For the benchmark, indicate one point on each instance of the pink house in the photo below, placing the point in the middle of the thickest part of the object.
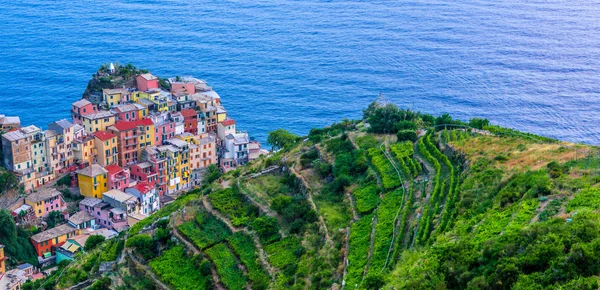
(118, 178)
(182, 85)
(130, 112)
(104, 214)
(146, 82)
(80, 108)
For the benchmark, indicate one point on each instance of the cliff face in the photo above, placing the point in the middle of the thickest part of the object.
(454, 208)
(121, 76)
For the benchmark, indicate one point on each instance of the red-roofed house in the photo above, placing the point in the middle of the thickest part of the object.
(146, 82)
(190, 121)
(106, 148)
(147, 196)
(132, 137)
(118, 178)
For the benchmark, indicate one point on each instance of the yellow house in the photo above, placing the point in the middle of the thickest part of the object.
(106, 148)
(46, 201)
(157, 97)
(114, 97)
(98, 121)
(178, 164)
(84, 149)
(92, 181)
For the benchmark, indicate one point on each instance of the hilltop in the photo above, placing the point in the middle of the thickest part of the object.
(398, 200)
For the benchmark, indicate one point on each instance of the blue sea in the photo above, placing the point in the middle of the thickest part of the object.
(529, 65)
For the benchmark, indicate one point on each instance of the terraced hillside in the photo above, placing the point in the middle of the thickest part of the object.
(399, 200)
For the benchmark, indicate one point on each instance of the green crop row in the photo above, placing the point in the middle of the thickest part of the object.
(367, 198)
(235, 206)
(204, 231)
(244, 247)
(227, 267)
(284, 252)
(588, 198)
(175, 268)
(388, 174)
(386, 215)
(360, 237)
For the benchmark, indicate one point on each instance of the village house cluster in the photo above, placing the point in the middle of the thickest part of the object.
(128, 150)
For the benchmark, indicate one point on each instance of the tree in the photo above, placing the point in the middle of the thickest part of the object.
(54, 218)
(143, 244)
(384, 119)
(407, 135)
(16, 240)
(265, 227)
(281, 138)
(479, 123)
(8, 181)
(212, 173)
(93, 241)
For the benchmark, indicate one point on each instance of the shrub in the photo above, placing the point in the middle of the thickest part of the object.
(93, 241)
(175, 268)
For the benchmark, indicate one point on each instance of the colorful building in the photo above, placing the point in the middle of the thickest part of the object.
(153, 169)
(118, 178)
(163, 126)
(132, 137)
(17, 152)
(9, 123)
(190, 121)
(46, 242)
(93, 181)
(99, 121)
(147, 197)
(130, 112)
(84, 150)
(45, 201)
(106, 147)
(113, 97)
(82, 220)
(146, 82)
(80, 108)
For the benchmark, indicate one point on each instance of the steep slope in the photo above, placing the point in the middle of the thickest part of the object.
(438, 204)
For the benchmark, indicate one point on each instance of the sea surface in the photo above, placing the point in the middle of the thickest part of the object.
(529, 65)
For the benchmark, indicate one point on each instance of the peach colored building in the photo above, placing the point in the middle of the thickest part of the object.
(80, 108)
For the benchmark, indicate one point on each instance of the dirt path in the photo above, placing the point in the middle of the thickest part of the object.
(371, 248)
(312, 203)
(195, 251)
(345, 256)
(261, 252)
(147, 271)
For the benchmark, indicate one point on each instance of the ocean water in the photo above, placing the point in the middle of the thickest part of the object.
(529, 65)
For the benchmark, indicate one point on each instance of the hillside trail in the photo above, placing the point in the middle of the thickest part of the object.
(190, 246)
(371, 248)
(147, 271)
(312, 203)
(261, 252)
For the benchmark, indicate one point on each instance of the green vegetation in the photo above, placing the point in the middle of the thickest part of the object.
(225, 261)
(18, 248)
(233, 204)
(452, 207)
(205, 230)
(93, 241)
(244, 248)
(178, 270)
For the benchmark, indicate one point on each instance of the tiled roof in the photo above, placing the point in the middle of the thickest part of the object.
(104, 135)
(90, 201)
(92, 170)
(44, 194)
(130, 125)
(228, 122)
(144, 187)
(148, 76)
(81, 217)
(128, 108)
(99, 115)
(14, 135)
(118, 195)
(53, 233)
(113, 168)
(115, 91)
(188, 113)
(64, 123)
(81, 103)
